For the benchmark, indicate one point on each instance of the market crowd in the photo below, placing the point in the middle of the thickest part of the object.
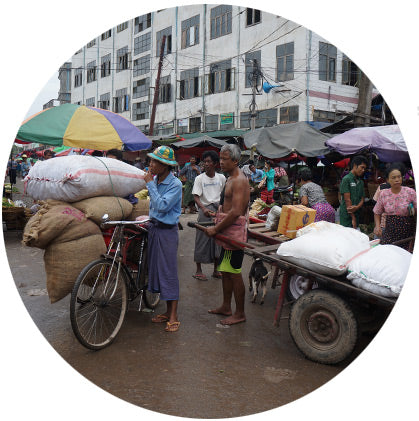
(222, 192)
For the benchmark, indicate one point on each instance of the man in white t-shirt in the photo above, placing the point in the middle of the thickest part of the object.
(207, 191)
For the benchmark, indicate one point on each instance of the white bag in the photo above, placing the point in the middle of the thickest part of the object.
(272, 219)
(381, 271)
(77, 177)
(324, 247)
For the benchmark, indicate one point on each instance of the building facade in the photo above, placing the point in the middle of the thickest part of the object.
(216, 58)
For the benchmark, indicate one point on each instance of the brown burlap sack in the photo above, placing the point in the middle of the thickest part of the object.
(64, 262)
(94, 208)
(140, 208)
(59, 222)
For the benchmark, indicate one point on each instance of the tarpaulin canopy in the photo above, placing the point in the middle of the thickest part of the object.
(386, 141)
(282, 140)
(201, 141)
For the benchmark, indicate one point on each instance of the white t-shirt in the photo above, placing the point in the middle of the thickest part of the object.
(209, 189)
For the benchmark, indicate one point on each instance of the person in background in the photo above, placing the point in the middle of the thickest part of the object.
(207, 190)
(256, 174)
(399, 203)
(190, 171)
(267, 184)
(311, 195)
(26, 166)
(246, 168)
(165, 192)
(139, 163)
(234, 204)
(352, 192)
(97, 153)
(48, 154)
(12, 169)
(281, 177)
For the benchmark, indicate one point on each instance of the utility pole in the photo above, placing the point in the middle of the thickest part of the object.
(363, 112)
(255, 74)
(157, 87)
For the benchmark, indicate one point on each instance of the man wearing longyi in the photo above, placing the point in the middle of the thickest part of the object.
(231, 221)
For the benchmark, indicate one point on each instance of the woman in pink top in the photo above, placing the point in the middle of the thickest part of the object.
(398, 203)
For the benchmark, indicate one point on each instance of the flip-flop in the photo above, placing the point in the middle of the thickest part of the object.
(160, 318)
(216, 275)
(172, 327)
(200, 276)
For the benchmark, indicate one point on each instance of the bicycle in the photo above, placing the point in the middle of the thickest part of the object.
(101, 294)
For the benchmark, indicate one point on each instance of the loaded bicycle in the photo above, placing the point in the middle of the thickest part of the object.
(102, 292)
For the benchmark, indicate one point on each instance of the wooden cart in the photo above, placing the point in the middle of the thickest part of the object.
(324, 321)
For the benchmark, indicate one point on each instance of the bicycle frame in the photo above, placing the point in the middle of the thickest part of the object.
(117, 252)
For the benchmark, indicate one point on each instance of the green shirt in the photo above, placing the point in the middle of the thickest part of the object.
(354, 186)
(270, 176)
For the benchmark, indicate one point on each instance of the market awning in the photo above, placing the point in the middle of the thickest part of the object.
(386, 141)
(282, 140)
(199, 142)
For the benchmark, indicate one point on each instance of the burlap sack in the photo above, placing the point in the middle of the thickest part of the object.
(140, 208)
(64, 262)
(94, 208)
(59, 222)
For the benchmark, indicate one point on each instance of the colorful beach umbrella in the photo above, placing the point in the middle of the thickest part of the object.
(79, 126)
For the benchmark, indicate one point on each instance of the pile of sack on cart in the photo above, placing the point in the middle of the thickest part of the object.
(72, 194)
(334, 250)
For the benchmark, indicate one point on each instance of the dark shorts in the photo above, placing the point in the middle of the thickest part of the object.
(230, 261)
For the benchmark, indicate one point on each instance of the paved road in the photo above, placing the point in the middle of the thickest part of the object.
(202, 371)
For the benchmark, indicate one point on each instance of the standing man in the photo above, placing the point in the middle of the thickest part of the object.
(26, 166)
(12, 169)
(352, 193)
(165, 192)
(234, 203)
(190, 171)
(207, 191)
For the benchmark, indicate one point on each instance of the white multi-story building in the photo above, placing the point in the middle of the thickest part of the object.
(210, 56)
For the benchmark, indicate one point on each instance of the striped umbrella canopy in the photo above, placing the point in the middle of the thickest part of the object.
(79, 126)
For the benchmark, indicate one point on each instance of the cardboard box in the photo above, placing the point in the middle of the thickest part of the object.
(294, 217)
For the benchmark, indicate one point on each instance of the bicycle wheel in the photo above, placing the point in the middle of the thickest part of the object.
(151, 299)
(98, 304)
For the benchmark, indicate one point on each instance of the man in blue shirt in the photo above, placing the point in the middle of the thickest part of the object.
(165, 191)
(256, 175)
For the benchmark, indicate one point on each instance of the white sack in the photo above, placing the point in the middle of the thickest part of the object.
(77, 177)
(324, 247)
(381, 271)
(273, 218)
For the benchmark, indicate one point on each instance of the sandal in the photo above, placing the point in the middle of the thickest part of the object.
(200, 276)
(160, 318)
(172, 327)
(216, 275)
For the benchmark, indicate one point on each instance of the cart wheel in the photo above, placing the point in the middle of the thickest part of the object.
(297, 285)
(323, 327)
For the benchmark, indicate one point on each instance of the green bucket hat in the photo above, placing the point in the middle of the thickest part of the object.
(164, 154)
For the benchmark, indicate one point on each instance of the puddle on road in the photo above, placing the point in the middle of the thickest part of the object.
(277, 375)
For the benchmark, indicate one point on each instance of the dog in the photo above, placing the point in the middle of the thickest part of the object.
(258, 277)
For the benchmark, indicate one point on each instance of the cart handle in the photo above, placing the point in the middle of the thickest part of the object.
(221, 237)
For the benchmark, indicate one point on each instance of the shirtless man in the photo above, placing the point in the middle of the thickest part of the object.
(235, 203)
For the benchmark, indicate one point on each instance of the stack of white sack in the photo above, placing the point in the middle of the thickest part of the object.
(381, 271)
(77, 177)
(325, 248)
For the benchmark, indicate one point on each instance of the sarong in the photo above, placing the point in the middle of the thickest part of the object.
(187, 193)
(324, 212)
(206, 250)
(162, 261)
(267, 196)
(398, 228)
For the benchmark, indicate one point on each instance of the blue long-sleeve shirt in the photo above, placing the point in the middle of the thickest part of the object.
(165, 199)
